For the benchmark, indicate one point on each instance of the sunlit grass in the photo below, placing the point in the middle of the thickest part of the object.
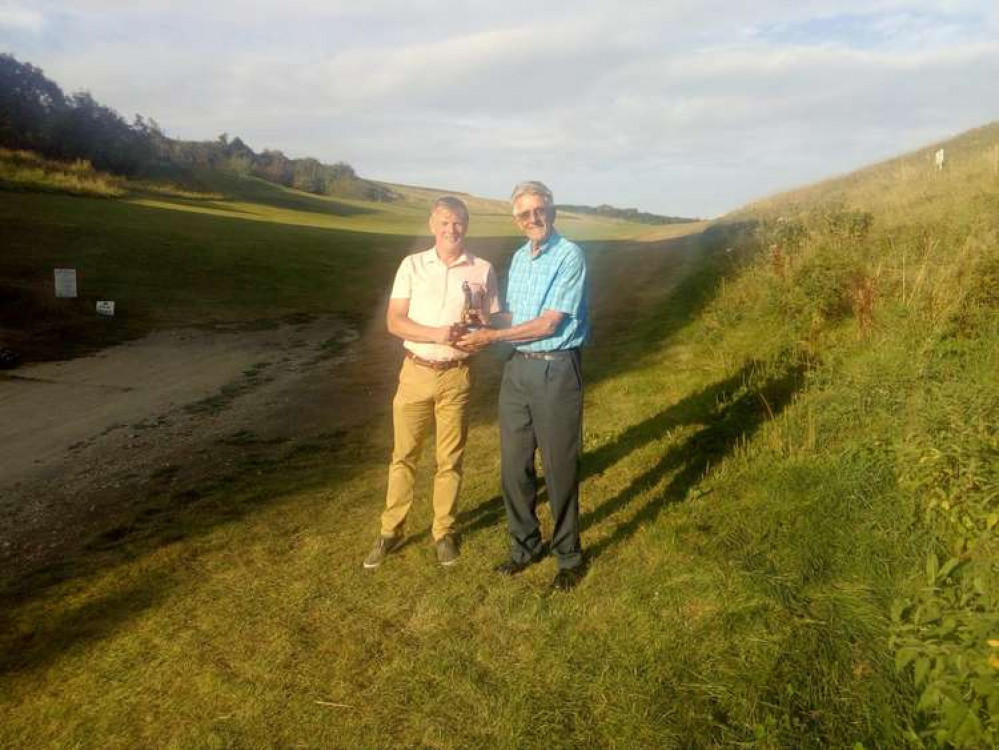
(26, 170)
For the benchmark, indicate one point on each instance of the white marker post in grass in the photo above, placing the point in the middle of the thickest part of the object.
(65, 283)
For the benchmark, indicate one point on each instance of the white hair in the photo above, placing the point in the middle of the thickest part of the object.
(533, 187)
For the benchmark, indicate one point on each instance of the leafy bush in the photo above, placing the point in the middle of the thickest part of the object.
(946, 635)
(947, 639)
(822, 288)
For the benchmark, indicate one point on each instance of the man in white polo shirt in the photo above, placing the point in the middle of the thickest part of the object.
(431, 292)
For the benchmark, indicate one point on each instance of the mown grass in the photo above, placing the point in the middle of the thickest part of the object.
(771, 453)
(233, 250)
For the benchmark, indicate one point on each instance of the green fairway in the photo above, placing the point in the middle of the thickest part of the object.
(256, 252)
(778, 466)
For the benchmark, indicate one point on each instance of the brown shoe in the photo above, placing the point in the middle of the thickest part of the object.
(447, 550)
(381, 550)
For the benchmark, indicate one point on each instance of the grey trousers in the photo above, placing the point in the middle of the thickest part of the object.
(541, 407)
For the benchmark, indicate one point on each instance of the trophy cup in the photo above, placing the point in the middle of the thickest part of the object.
(471, 313)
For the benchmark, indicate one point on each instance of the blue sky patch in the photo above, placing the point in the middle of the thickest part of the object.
(874, 30)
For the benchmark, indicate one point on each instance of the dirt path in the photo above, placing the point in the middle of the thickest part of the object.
(85, 440)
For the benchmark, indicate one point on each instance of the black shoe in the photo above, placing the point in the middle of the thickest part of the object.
(512, 567)
(568, 578)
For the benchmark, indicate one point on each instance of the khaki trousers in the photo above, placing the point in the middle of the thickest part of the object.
(426, 396)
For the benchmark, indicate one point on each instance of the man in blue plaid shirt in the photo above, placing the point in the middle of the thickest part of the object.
(541, 397)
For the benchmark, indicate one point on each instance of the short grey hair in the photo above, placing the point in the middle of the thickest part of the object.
(533, 187)
(452, 204)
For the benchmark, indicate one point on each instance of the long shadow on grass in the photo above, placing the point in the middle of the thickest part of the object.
(483, 516)
(33, 635)
(44, 638)
(731, 411)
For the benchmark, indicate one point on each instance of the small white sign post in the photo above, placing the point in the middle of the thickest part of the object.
(105, 307)
(65, 283)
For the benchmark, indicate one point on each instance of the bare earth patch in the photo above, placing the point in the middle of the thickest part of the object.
(86, 441)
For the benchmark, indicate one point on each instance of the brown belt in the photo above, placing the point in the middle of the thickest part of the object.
(436, 364)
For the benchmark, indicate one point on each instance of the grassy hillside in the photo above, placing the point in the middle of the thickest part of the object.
(886, 284)
(223, 250)
(789, 506)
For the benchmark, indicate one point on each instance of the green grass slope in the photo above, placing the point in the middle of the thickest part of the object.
(228, 250)
(885, 283)
(789, 505)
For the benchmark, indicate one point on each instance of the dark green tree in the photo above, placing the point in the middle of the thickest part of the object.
(28, 103)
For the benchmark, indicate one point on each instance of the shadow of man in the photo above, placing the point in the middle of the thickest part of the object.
(731, 411)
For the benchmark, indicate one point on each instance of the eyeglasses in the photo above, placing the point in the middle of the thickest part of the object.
(534, 213)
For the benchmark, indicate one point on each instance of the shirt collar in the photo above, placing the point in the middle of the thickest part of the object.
(547, 245)
(432, 257)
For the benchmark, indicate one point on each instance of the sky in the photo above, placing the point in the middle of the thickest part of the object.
(679, 107)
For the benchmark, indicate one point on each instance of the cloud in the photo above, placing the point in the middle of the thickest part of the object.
(16, 18)
(692, 106)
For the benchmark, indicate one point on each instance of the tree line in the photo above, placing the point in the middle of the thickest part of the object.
(36, 115)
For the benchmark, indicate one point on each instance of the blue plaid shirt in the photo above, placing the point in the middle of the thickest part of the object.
(555, 279)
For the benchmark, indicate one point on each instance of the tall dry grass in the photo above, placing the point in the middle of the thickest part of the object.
(26, 170)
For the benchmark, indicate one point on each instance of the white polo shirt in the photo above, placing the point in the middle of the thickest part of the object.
(436, 298)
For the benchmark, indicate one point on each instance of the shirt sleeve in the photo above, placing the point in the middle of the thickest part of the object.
(402, 287)
(569, 285)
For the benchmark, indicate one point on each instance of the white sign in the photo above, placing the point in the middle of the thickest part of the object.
(65, 282)
(105, 307)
